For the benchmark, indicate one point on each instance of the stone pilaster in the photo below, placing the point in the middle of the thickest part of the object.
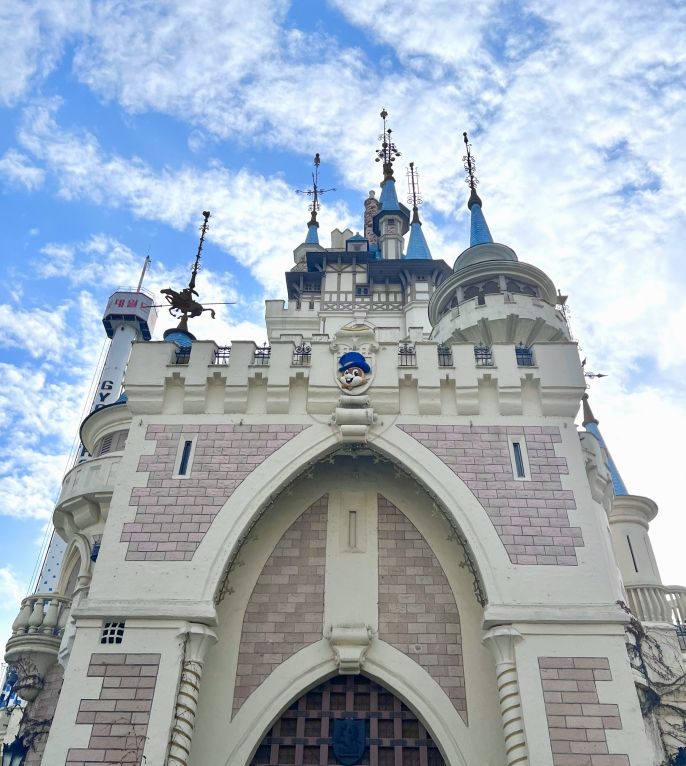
(501, 642)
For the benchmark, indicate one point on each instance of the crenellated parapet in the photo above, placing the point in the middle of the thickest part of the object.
(299, 377)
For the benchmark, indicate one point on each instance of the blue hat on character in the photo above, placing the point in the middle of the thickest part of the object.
(353, 359)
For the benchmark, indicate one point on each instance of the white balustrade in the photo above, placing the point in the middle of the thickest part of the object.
(43, 614)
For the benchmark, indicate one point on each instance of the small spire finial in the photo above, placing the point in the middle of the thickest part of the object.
(388, 152)
(470, 166)
(315, 192)
(414, 197)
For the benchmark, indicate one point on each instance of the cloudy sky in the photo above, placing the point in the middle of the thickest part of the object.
(121, 121)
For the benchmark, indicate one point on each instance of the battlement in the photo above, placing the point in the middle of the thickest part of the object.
(292, 376)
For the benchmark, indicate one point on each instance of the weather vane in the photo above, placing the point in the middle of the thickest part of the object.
(316, 191)
(388, 152)
(470, 166)
(182, 304)
(592, 374)
(413, 196)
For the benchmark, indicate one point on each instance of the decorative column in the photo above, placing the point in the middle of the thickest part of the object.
(501, 641)
(198, 639)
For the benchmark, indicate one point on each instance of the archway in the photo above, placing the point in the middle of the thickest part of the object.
(304, 734)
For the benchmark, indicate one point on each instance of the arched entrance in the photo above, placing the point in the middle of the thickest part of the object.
(304, 733)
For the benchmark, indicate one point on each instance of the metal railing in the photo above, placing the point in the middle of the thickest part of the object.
(262, 355)
(302, 355)
(222, 355)
(182, 355)
(407, 355)
(483, 355)
(525, 356)
(445, 356)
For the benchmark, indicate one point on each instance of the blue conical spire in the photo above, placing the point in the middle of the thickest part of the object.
(591, 425)
(417, 247)
(312, 237)
(389, 197)
(479, 233)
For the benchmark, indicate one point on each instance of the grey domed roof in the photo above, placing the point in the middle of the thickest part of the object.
(489, 251)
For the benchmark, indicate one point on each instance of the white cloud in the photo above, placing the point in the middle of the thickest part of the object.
(11, 588)
(17, 169)
(32, 37)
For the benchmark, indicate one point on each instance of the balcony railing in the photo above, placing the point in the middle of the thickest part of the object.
(659, 603)
(42, 614)
(302, 355)
(445, 356)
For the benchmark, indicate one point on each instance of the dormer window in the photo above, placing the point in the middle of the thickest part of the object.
(357, 244)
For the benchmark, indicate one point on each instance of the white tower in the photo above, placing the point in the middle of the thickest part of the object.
(130, 315)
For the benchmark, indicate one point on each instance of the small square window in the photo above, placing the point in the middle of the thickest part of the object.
(112, 633)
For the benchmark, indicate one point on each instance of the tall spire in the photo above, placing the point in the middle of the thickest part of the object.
(590, 423)
(182, 304)
(314, 193)
(387, 155)
(417, 247)
(480, 233)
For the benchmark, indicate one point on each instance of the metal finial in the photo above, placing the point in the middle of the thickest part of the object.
(316, 191)
(470, 166)
(413, 197)
(388, 152)
(182, 304)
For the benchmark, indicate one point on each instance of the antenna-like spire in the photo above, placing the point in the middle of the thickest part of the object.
(413, 197)
(480, 234)
(470, 167)
(196, 265)
(182, 304)
(388, 151)
(314, 193)
(416, 247)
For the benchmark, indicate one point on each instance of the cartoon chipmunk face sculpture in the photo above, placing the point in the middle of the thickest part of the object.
(353, 370)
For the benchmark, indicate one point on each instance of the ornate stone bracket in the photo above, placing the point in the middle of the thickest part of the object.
(350, 644)
(353, 416)
(501, 641)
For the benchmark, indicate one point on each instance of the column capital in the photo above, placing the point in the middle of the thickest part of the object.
(501, 641)
(199, 638)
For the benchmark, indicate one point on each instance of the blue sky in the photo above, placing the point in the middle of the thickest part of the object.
(121, 121)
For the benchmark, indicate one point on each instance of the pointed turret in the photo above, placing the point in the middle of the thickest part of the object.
(480, 234)
(416, 247)
(590, 423)
(393, 219)
(314, 193)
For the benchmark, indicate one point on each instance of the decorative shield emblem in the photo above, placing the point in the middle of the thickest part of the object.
(349, 735)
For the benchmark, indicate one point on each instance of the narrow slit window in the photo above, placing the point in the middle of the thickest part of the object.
(185, 457)
(631, 551)
(518, 460)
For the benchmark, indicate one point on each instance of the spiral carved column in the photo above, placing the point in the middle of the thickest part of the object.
(501, 641)
(198, 639)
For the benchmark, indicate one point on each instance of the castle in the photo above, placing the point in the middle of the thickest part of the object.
(379, 539)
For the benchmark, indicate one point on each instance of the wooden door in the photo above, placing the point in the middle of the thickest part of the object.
(303, 735)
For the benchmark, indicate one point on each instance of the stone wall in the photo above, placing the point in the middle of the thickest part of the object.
(286, 608)
(42, 711)
(530, 517)
(174, 514)
(577, 721)
(119, 717)
(417, 610)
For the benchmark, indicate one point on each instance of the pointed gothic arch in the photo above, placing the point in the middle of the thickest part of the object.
(265, 485)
